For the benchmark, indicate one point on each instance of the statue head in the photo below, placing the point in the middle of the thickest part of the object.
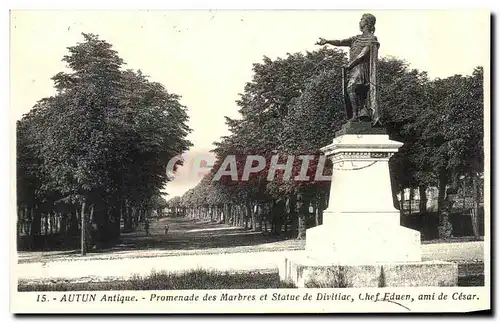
(367, 22)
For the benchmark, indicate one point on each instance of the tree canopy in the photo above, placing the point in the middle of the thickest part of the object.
(293, 106)
(105, 137)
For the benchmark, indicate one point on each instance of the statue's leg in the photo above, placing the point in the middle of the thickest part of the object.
(364, 112)
(351, 91)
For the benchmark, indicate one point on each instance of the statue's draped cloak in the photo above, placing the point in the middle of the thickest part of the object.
(360, 73)
(364, 73)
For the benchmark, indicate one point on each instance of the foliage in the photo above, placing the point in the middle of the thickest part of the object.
(294, 105)
(107, 135)
(104, 138)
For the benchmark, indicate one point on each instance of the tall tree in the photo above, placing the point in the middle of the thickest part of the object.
(104, 140)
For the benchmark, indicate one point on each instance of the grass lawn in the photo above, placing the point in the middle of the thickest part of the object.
(469, 275)
(194, 279)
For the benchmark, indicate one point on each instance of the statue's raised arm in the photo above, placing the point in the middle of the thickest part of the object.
(360, 74)
(341, 42)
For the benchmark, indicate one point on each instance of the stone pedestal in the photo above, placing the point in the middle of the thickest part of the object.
(361, 232)
(312, 272)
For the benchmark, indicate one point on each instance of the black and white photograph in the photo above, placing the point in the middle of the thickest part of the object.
(250, 161)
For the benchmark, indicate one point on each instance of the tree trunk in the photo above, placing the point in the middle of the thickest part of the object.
(115, 221)
(259, 208)
(51, 222)
(266, 215)
(410, 201)
(19, 224)
(24, 227)
(46, 223)
(246, 215)
(102, 222)
(132, 216)
(36, 226)
(476, 209)
(445, 229)
(261, 216)
(128, 218)
(316, 207)
(70, 223)
(235, 216)
(422, 205)
(90, 241)
(225, 218)
(302, 210)
(63, 225)
(273, 217)
(252, 216)
(58, 222)
(240, 218)
(234, 219)
(292, 213)
(322, 205)
(79, 218)
(123, 216)
(443, 182)
(83, 234)
(228, 215)
(110, 221)
(301, 226)
(402, 202)
(234, 213)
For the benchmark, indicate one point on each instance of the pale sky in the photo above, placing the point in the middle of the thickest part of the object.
(207, 56)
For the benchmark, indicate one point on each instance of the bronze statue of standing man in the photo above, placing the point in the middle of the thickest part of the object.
(361, 89)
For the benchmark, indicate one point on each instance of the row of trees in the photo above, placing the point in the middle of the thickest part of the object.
(294, 105)
(95, 154)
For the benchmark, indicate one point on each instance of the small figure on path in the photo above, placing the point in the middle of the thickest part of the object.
(166, 229)
(360, 92)
(146, 227)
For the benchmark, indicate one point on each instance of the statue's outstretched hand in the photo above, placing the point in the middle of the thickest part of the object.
(321, 41)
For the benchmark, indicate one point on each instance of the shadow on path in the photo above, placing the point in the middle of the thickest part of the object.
(185, 236)
(190, 234)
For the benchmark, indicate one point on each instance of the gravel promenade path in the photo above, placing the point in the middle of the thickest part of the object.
(192, 244)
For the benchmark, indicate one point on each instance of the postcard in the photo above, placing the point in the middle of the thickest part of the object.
(267, 161)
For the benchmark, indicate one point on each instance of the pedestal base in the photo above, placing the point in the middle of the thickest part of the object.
(308, 272)
(360, 244)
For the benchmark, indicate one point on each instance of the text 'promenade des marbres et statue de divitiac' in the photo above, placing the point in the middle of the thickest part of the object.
(362, 244)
